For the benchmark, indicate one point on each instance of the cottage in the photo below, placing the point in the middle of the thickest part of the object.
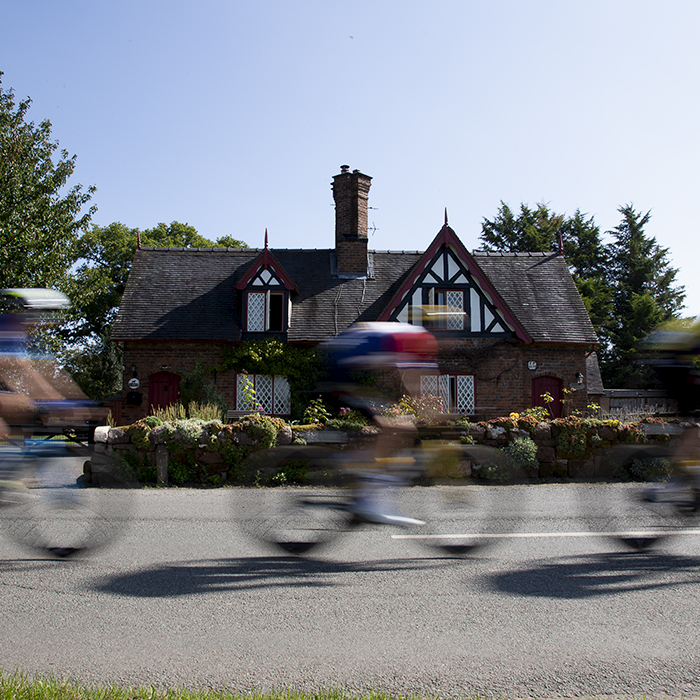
(524, 330)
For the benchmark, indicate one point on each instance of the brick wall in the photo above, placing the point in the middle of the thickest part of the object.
(154, 357)
(503, 381)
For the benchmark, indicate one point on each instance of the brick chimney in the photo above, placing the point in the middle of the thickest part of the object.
(351, 192)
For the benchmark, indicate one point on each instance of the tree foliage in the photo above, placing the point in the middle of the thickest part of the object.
(39, 219)
(627, 285)
(104, 255)
(540, 230)
(646, 295)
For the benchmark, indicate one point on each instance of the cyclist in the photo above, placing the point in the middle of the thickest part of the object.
(21, 385)
(399, 353)
(677, 363)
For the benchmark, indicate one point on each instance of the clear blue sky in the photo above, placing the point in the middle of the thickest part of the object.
(233, 116)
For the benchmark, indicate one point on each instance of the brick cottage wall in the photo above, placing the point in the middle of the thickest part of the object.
(178, 358)
(503, 381)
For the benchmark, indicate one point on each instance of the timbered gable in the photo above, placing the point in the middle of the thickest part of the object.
(266, 289)
(448, 280)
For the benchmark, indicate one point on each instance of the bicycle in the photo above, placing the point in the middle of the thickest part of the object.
(440, 494)
(659, 496)
(46, 425)
(43, 504)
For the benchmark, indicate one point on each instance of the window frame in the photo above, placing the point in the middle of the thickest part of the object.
(448, 387)
(431, 296)
(279, 391)
(267, 295)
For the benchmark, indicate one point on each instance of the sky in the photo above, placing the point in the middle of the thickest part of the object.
(234, 116)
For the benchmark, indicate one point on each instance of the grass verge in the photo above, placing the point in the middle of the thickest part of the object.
(18, 686)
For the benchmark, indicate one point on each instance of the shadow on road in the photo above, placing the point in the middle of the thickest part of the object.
(589, 576)
(207, 576)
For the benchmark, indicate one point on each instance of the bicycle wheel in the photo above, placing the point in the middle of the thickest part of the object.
(44, 507)
(656, 500)
(296, 518)
(465, 496)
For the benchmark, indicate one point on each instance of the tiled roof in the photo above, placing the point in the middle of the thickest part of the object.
(190, 294)
(539, 290)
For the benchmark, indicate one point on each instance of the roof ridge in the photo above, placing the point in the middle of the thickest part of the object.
(508, 254)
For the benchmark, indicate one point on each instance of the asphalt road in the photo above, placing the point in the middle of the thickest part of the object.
(183, 598)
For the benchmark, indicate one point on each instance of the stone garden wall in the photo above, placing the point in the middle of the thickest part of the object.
(209, 453)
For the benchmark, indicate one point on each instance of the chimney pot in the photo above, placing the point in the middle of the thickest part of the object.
(344, 169)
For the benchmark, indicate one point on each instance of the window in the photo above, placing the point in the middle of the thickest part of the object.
(451, 314)
(266, 312)
(256, 391)
(455, 390)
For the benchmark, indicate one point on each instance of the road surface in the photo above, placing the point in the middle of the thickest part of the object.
(183, 598)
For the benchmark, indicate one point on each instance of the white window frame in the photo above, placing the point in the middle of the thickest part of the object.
(272, 394)
(456, 390)
(265, 325)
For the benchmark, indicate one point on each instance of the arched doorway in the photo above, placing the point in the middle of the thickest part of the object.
(553, 387)
(163, 389)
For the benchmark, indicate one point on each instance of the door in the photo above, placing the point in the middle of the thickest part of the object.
(551, 386)
(163, 389)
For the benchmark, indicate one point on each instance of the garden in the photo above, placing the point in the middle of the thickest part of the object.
(195, 446)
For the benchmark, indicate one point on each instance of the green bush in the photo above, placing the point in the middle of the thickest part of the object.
(493, 471)
(263, 429)
(180, 472)
(644, 469)
(523, 451)
(316, 412)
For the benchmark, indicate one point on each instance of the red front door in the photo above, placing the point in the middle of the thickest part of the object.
(551, 386)
(163, 389)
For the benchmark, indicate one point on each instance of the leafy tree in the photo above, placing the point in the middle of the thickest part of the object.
(96, 286)
(645, 295)
(39, 220)
(230, 242)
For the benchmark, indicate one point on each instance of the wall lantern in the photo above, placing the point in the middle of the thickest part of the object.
(133, 369)
(579, 378)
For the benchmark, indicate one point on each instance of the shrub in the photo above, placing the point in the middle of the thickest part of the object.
(316, 412)
(263, 429)
(493, 471)
(644, 469)
(523, 451)
(181, 471)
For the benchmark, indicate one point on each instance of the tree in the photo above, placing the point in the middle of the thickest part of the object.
(540, 230)
(39, 220)
(628, 286)
(96, 286)
(645, 296)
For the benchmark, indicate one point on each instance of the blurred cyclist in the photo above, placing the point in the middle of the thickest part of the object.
(34, 395)
(405, 353)
(676, 360)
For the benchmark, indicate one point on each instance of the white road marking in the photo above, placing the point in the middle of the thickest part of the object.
(533, 535)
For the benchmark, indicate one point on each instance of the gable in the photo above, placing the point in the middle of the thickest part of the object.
(266, 271)
(447, 276)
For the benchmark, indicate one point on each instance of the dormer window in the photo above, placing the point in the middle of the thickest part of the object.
(266, 294)
(266, 311)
